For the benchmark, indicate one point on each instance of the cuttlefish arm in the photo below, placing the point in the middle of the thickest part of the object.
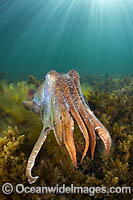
(43, 108)
(67, 125)
(32, 106)
(34, 153)
(57, 121)
(101, 131)
(98, 126)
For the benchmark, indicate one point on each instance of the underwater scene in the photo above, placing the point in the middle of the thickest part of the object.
(66, 99)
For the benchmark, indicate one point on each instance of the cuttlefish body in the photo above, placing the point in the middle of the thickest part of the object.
(58, 100)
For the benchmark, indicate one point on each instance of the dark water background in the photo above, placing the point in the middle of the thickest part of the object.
(91, 36)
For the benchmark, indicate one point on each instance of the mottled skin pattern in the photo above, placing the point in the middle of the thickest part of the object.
(58, 100)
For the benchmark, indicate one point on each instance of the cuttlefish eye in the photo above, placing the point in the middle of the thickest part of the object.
(30, 94)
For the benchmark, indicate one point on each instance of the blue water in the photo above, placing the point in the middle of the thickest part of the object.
(91, 36)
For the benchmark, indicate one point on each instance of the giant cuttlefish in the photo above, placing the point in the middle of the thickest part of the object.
(58, 100)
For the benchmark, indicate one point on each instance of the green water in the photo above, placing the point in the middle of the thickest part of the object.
(91, 36)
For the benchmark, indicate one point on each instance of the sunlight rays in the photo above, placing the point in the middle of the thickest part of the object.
(77, 33)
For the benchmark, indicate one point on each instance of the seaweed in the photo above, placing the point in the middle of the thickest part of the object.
(12, 158)
(12, 112)
(110, 103)
(32, 80)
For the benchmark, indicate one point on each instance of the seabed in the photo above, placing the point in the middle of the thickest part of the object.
(110, 98)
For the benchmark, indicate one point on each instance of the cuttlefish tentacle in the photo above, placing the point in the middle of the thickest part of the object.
(34, 154)
(67, 126)
(76, 115)
(85, 116)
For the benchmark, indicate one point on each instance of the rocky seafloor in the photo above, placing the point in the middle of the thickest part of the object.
(111, 99)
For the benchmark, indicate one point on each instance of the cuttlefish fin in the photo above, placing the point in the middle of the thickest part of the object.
(31, 105)
(34, 154)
